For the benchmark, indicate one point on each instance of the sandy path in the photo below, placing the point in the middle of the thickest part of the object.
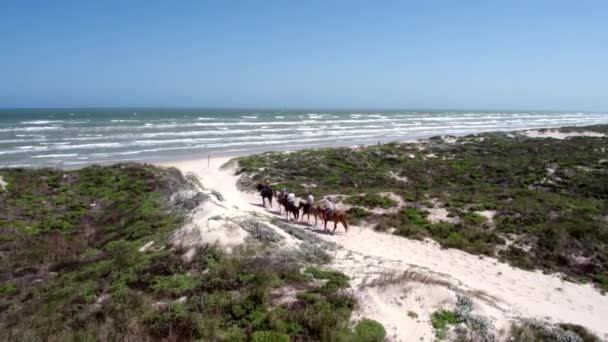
(504, 292)
(223, 181)
(517, 293)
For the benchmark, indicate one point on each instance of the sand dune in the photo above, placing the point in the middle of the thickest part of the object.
(400, 282)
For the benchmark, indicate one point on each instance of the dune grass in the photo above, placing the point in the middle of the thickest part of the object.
(72, 269)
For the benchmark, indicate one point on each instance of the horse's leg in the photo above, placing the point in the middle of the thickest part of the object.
(345, 224)
(335, 225)
(270, 201)
(263, 201)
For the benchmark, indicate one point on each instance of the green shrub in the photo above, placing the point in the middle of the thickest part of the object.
(269, 336)
(8, 288)
(371, 200)
(414, 216)
(368, 330)
(440, 320)
(474, 218)
(175, 284)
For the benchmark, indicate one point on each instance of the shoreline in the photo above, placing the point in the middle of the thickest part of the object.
(201, 157)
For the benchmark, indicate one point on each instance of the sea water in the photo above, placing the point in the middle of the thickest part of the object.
(78, 137)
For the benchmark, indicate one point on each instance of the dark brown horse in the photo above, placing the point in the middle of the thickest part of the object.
(290, 207)
(266, 192)
(308, 209)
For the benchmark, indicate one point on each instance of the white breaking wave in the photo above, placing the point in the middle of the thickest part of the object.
(40, 122)
(29, 129)
(56, 155)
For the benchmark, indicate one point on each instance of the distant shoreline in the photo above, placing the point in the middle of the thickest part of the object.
(203, 157)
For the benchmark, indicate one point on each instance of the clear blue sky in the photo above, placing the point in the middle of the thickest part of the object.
(510, 54)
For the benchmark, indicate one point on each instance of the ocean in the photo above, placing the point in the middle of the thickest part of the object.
(77, 137)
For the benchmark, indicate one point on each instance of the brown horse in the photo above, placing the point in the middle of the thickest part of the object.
(308, 209)
(336, 215)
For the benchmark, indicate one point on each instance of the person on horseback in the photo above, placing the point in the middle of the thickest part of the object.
(291, 199)
(310, 199)
(330, 206)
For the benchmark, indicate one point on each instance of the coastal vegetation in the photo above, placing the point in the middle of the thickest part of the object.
(537, 203)
(85, 257)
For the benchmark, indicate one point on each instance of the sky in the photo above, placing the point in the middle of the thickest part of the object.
(451, 54)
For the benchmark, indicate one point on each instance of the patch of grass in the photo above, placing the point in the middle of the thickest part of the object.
(335, 280)
(355, 214)
(371, 200)
(530, 331)
(175, 284)
(8, 289)
(440, 320)
(269, 336)
(474, 219)
(370, 331)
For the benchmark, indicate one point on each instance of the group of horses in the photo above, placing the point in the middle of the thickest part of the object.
(321, 208)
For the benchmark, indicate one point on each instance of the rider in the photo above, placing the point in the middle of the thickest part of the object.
(283, 192)
(330, 205)
(291, 198)
(310, 199)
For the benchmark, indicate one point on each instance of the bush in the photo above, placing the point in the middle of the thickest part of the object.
(269, 336)
(8, 288)
(358, 212)
(371, 200)
(414, 216)
(175, 284)
(368, 330)
(441, 319)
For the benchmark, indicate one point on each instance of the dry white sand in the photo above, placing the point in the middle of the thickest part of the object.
(555, 134)
(3, 184)
(499, 291)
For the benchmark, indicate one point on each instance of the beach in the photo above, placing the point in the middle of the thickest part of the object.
(401, 282)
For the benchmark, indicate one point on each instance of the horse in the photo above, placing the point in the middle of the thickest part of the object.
(328, 212)
(266, 192)
(290, 207)
(308, 209)
(336, 215)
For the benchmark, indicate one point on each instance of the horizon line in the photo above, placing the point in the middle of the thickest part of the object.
(295, 108)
